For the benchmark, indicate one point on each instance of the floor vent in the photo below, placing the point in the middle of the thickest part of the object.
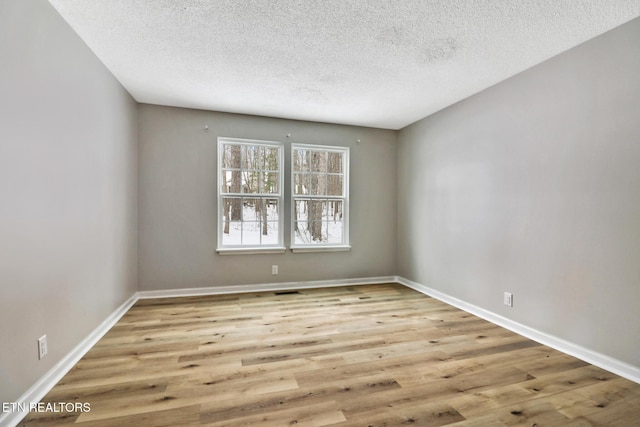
(286, 292)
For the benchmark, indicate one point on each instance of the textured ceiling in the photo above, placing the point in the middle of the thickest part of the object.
(378, 63)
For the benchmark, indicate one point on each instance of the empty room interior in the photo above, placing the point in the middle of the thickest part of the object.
(325, 213)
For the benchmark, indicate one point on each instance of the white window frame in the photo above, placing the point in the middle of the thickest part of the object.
(322, 247)
(250, 249)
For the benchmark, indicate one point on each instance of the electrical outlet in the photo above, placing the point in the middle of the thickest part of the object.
(42, 347)
(508, 299)
(274, 270)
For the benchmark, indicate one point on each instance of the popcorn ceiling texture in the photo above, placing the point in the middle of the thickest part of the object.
(375, 63)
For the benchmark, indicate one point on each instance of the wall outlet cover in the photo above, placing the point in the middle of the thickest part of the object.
(508, 299)
(42, 347)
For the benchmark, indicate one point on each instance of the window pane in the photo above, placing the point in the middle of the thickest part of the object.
(317, 232)
(318, 161)
(334, 162)
(250, 233)
(318, 185)
(272, 209)
(300, 160)
(250, 182)
(308, 217)
(301, 210)
(251, 209)
(225, 181)
(230, 181)
(231, 156)
(334, 210)
(301, 233)
(269, 183)
(300, 184)
(316, 211)
(233, 237)
(270, 158)
(335, 224)
(232, 208)
(231, 223)
(334, 185)
(250, 157)
(335, 231)
(270, 233)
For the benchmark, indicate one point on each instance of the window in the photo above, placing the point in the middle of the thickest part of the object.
(319, 188)
(250, 195)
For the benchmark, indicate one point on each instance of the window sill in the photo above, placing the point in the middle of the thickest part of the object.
(251, 251)
(303, 249)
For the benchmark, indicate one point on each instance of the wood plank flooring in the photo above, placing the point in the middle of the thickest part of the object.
(374, 355)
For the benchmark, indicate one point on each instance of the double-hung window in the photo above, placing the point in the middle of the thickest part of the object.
(250, 195)
(320, 202)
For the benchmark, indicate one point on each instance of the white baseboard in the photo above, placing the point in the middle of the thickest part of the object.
(603, 361)
(55, 374)
(263, 287)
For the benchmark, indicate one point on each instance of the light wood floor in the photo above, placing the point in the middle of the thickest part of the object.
(375, 355)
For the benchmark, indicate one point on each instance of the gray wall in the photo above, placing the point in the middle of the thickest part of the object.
(67, 192)
(533, 187)
(178, 213)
